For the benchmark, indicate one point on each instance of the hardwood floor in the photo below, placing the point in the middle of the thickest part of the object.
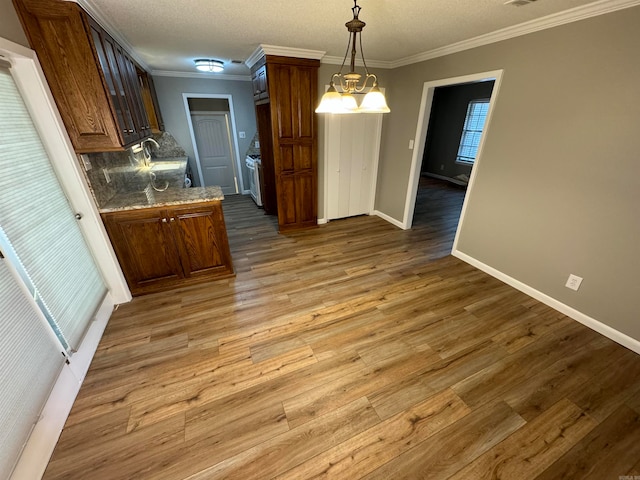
(354, 350)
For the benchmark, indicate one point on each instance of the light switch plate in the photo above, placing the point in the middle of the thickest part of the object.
(242, 134)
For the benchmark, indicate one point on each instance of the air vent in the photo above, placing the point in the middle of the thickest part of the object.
(519, 3)
(237, 61)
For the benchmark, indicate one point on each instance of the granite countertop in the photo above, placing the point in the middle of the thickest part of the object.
(159, 184)
(152, 198)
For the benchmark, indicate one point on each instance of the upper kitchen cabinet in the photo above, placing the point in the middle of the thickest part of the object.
(94, 81)
(150, 100)
(259, 80)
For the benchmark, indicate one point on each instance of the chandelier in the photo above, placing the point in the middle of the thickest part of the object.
(335, 102)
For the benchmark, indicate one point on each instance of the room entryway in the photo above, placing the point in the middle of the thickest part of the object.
(213, 134)
(418, 183)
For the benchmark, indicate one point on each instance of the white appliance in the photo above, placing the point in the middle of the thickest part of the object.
(254, 166)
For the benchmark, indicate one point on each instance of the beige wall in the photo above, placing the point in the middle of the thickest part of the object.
(10, 27)
(558, 183)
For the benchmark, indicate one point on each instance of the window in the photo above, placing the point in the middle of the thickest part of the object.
(472, 130)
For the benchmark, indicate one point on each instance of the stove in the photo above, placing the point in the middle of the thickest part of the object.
(254, 165)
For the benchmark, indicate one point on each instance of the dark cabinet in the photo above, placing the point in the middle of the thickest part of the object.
(160, 248)
(260, 85)
(94, 81)
(288, 140)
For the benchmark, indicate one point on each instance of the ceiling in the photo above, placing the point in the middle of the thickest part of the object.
(168, 34)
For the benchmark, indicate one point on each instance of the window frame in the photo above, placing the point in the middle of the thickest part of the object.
(462, 160)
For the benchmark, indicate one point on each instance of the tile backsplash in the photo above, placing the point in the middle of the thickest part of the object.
(120, 168)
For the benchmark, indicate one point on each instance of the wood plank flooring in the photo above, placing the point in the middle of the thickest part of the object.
(354, 350)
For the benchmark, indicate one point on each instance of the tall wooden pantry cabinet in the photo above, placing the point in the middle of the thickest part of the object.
(285, 94)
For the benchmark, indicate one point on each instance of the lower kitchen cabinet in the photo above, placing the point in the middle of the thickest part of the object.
(163, 247)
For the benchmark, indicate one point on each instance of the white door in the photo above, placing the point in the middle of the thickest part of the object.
(352, 147)
(213, 141)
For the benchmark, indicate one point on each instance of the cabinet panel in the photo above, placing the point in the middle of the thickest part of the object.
(282, 100)
(286, 159)
(144, 246)
(304, 158)
(306, 199)
(287, 217)
(306, 99)
(202, 240)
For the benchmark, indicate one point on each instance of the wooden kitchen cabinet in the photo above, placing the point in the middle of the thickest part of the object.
(150, 100)
(288, 136)
(160, 248)
(260, 85)
(93, 79)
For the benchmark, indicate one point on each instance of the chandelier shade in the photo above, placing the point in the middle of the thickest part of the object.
(343, 102)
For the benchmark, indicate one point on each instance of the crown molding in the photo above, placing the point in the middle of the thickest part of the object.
(264, 49)
(568, 16)
(99, 17)
(370, 63)
(202, 76)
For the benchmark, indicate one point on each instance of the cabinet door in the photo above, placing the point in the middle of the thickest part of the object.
(144, 245)
(135, 96)
(150, 100)
(293, 94)
(106, 57)
(58, 32)
(201, 237)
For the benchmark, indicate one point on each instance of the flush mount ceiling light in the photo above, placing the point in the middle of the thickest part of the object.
(345, 102)
(208, 65)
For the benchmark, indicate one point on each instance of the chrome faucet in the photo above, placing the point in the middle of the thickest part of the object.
(147, 149)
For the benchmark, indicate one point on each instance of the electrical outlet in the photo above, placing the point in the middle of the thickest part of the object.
(242, 134)
(85, 162)
(441, 167)
(573, 282)
(106, 175)
(257, 144)
(410, 144)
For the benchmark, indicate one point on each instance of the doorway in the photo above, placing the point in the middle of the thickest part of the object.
(422, 130)
(213, 135)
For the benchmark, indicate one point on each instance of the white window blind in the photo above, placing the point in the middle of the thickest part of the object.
(472, 131)
(31, 361)
(40, 225)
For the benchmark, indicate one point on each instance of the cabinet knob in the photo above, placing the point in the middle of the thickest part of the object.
(78, 216)
(172, 219)
(164, 220)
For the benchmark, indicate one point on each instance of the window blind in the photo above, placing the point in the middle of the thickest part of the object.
(31, 361)
(40, 225)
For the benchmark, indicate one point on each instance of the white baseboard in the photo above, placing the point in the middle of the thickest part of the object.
(389, 219)
(39, 448)
(592, 323)
(322, 221)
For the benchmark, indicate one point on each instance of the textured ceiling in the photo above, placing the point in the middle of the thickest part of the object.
(168, 34)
